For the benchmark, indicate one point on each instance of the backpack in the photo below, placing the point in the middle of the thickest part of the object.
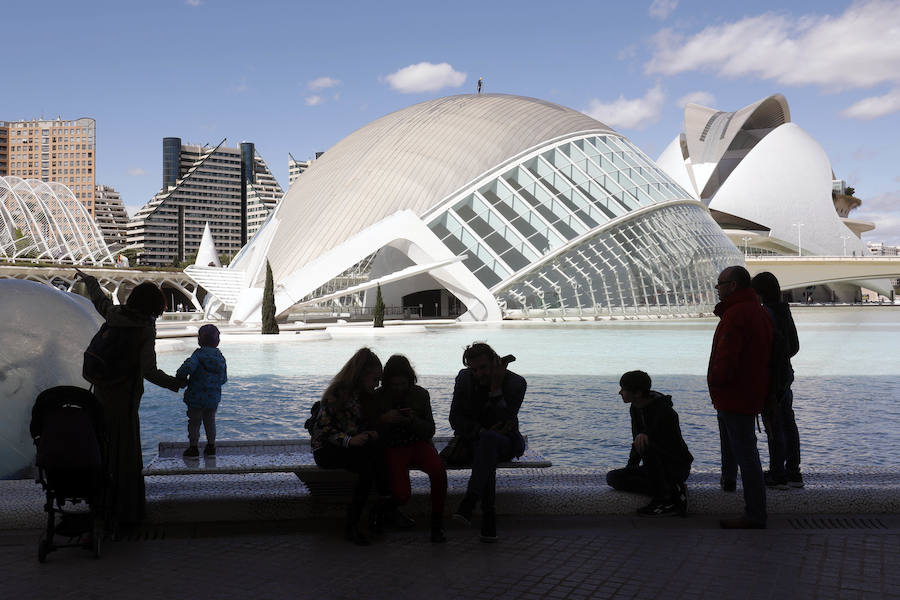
(108, 358)
(314, 411)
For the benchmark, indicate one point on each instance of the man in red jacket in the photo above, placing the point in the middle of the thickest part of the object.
(738, 379)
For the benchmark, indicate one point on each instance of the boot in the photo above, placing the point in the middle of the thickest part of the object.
(437, 528)
(489, 527)
(463, 514)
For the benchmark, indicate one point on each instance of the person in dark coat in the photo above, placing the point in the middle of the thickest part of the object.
(484, 413)
(781, 424)
(342, 437)
(658, 444)
(121, 399)
(738, 380)
(405, 426)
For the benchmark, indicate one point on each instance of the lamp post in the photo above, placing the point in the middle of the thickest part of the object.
(799, 244)
(746, 239)
(845, 238)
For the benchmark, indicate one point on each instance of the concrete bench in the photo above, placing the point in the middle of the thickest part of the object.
(285, 456)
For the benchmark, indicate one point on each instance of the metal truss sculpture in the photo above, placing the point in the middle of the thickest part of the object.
(45, 221)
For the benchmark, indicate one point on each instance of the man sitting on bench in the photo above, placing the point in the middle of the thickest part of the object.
(484, 414)
(657, 442)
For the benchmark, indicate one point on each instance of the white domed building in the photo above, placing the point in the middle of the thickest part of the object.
(766, 181)
(486, 206)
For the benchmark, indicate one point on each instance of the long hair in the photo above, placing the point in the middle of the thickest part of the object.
(351, 374)
(766, 285)
(398, 366)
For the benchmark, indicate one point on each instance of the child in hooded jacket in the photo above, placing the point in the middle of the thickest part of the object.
(205, 372)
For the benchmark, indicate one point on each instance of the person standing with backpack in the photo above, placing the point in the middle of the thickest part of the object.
(119, 358)
(778, 415)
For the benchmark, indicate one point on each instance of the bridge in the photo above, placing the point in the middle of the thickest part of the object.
(802, 271)
(176, 286)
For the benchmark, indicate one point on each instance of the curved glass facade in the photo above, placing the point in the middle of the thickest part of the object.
(46, 221)
(589, 224)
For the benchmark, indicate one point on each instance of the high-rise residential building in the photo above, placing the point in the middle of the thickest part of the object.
(296, 168)
(231, 188)
(52, 151)
(110, 215)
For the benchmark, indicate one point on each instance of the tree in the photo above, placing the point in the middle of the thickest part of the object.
(378, 311)
(269, 325)
(849, 191)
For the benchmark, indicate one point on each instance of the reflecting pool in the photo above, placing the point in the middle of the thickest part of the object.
(845, 393)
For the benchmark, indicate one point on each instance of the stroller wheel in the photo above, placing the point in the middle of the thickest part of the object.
(43, 548)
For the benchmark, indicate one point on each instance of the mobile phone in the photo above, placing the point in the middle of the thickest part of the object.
(507, 359)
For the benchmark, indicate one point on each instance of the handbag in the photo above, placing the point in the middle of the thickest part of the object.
(459, 451)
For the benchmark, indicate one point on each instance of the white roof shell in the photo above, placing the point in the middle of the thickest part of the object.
(411, 159)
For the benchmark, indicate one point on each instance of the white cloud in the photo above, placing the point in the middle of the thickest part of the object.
(859, 48)
(241, 87)
(425, 77)
(136, 172)
(635, 113)
(875, 106)
(321, 83)
(884, 211)
(661, 9)
(314, 100)
(704, 98)
(193, 2)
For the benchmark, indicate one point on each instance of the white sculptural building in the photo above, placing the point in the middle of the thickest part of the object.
(484, 206)
(45, 221)
(766, 181)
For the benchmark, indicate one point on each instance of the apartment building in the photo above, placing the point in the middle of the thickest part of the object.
(110, 215)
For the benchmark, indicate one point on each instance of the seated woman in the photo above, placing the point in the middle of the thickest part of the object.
(340, 439)
(406, 425)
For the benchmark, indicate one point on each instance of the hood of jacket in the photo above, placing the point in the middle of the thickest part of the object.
(210, 359)
(122, 316)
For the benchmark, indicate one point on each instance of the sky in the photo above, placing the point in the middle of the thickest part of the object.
(299, 76)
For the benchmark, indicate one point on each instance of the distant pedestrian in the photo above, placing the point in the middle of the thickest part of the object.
(484, 416)
(659, 462)
(738, 379)
(779, 419)
(480, 83)
(204, 372)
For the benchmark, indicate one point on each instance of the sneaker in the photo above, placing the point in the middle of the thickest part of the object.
(209, 450)
(489, 527)
(681, 500)
(728, 485)
(463, 514)
(659, 508)
(773, 482)
(795, 481)
(191, 452)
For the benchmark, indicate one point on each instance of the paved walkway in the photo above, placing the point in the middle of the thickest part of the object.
(548, 557)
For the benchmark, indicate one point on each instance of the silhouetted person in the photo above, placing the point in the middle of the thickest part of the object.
(478, 86)
(781, 425)
(205, 372)
(484, 413)
(659, 462)
(121, 398)
(738, 379)
(341, 438)
(405, 426)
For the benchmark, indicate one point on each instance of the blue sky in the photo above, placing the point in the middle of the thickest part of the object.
(299, 76)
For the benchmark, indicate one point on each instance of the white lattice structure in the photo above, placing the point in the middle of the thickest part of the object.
(45, 221)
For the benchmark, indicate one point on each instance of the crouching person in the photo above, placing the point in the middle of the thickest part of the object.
(660, 462)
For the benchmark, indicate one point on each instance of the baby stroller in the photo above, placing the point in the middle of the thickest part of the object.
(67, 428)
